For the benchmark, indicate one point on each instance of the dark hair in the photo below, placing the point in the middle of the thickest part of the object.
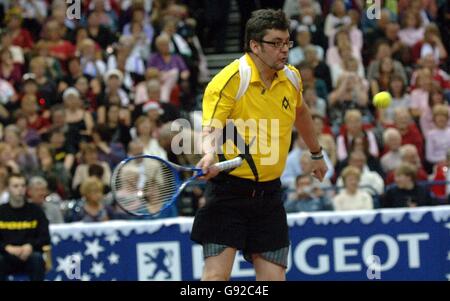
(262, 20)
(435, 90)
(103, 131)
(305, 65)
(397, 77)
(96, 170)
(15, 175)
(408, 170)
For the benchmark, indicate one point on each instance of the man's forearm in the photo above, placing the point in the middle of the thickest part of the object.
(210, 136)
(305, 127)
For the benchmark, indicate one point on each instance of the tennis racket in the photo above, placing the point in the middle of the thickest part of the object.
(146, 185)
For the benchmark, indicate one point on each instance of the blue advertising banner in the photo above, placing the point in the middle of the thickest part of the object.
(387, 244)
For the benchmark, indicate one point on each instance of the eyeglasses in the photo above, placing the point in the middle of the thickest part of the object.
(279, 44)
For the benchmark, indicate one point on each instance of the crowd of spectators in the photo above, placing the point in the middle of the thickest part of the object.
(79, 95)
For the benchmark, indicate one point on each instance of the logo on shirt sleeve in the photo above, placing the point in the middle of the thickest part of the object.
(285, 103)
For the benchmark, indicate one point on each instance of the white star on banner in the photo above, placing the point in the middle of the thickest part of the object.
(93, 248)
(112, 238)
(85, 277)
(113, 258)
(97, 269)
(65, 264)
(77, 236)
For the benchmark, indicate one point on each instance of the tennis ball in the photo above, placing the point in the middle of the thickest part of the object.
(382, 100)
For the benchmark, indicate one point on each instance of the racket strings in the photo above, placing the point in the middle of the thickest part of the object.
(145, 187)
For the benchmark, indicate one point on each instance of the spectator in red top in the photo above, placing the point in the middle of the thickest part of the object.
(428, 62)
(21, 37)
(35, 120)
(408, 129)
(8, 70)
(431, 44)
(58, 47)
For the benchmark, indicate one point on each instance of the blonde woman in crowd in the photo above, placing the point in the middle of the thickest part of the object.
(351, 197)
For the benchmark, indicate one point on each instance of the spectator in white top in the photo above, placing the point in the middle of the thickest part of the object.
(412, 30)
(296, 54)
(336, 20)
(370, 181)
(177, 43)
(432, 44)
(299, 162)
(127, 60)
(392, 158)
(6, 40)
(37, 194)
(145, 131)
(91, 62)
(36, 9)
(352, 197)
(8, 96)
(139, 15)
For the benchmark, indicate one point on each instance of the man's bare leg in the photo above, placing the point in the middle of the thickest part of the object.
(266, 270)
(218, 268)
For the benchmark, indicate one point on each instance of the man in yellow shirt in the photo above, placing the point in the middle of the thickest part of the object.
(249, 110)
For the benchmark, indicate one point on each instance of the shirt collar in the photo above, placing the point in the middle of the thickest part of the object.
(279, 76)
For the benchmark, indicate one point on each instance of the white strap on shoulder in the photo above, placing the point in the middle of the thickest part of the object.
(292, 76)
(245, 73)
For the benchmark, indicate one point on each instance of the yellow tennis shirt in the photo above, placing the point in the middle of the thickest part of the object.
(258, 125)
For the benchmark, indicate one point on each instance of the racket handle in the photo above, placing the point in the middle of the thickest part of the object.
(229, 164)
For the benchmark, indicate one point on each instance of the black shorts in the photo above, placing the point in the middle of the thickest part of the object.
(242, 214)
